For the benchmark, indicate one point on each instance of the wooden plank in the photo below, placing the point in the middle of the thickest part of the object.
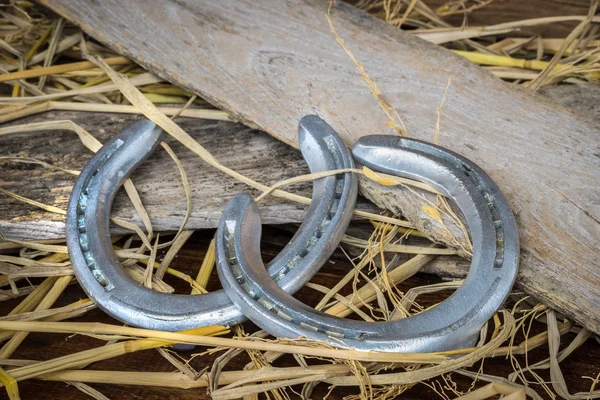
(165, 202)
(248, 151)
(270, 63)
(266, 158)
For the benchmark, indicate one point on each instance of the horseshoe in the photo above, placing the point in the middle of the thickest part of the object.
(104, 280)
(452, 324)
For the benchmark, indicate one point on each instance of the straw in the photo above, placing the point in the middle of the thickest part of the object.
(76, 76)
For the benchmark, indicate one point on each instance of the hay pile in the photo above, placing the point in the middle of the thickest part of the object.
(48, 64)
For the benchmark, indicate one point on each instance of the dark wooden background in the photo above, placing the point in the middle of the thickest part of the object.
(46, 346)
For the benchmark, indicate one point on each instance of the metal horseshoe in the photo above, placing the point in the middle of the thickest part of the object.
(103, 278)
(454, 323)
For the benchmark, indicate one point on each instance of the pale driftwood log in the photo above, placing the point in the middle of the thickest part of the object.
(270, 63)
(256, 154)
(251, 152)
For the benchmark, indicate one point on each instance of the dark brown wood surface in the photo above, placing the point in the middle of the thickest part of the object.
(502, 11)
(583, 362)
(270, 63)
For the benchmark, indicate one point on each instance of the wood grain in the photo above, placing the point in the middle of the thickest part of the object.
(270, 63)
(248, 151)
(582, 99)
(262, 157)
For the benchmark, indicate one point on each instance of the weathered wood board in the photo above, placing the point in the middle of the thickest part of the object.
(270, 63)
(583, 99)
(262, 157)
(248, 151)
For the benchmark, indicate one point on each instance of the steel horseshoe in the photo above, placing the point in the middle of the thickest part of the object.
(99, 272)
(454, 323)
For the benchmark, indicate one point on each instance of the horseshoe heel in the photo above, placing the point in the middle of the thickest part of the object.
(452, 324)
(102, 277)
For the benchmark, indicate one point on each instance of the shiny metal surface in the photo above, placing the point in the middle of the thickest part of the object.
(108, 285)
(454, 323)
